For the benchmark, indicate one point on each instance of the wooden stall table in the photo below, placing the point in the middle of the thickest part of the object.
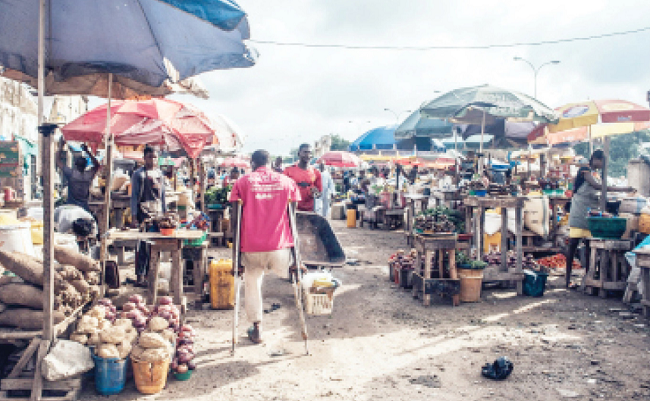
(608, 269)
(643, 262)
(554, 203)
(502, 273)
(414, 203)
(216, 227)
(161, 243)
(424, 283)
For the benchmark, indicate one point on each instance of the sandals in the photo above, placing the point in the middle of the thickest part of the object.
(255, 334)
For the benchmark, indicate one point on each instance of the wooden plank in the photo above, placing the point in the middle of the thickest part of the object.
(177, 275)
(519, 223)
(26, 384)
(154, 272)
(37, 385)
(453, 274)
(504, 238)
(24, 358)
(427, 274)
(48, 171)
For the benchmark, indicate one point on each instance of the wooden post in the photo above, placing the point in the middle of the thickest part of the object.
(104, 224)
(603, 191)
(202, 177)
(504, 239)
(428, 255)
(519, 221)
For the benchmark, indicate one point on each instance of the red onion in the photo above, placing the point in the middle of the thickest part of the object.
(129, 306)
(165, 300)
(191, 365)
(136, 299)
(105, 302)
(144, 309)
(165, 315)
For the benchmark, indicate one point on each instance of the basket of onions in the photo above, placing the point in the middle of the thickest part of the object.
(183, 363)
(140, 313)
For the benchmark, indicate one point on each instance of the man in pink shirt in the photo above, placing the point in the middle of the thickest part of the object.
(265, 231)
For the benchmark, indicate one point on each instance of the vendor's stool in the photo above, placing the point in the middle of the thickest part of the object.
(423, 283)
(608, 268)
(195, 257)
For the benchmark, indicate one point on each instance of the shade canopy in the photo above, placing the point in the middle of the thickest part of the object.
(417, 125)
(376, 138)
(339, 159)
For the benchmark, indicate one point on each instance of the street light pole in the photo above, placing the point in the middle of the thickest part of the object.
(536, 70)
(396, 114)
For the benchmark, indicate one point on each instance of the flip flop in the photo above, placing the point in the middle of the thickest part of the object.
(254, 335)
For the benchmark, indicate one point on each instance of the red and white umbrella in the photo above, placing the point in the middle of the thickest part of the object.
(338, 158)
(235, 162)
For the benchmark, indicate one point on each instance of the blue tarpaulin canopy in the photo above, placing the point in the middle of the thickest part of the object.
(376, 138)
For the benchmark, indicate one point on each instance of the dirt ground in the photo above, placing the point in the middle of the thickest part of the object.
(381, 344)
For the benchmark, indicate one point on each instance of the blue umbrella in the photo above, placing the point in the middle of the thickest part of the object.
(139, 41)
(417, 125)
(376, 138)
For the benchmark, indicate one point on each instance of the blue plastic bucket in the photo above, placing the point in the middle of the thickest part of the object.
(110, 375)
(534, 283)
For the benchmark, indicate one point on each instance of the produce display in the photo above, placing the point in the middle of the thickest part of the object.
(464, 262)
(557, 261)
(75, 284)
(440, 219)
(527, 262)
(216, 195)
(401, 260)
(501, 190)
(168, 220)
(184, 358)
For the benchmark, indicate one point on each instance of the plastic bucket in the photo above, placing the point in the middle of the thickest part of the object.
(110, 375)
(18, 238)
(167, 231)
(471, 281)
(150, 377)
(534, 283)
(183, 376)
(352, 218)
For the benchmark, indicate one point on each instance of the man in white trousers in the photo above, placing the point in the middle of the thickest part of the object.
(324, 201)
(266, 238)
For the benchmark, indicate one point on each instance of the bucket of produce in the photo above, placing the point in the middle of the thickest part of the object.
(534, 283)
(110, 374)
(481, 192)
(150, 377)
(607, 227)
(471, 280)
(183, 376)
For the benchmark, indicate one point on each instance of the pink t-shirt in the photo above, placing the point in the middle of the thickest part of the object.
(265, 222)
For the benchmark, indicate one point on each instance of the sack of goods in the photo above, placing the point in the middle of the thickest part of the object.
(536, 215)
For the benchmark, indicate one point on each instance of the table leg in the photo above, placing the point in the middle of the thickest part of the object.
(481, 237)
(504, 239)
(427, 275)
(453, 274)
(519, 228)
(477, 234)
(645, 282)
(177, 275)
(416, 269)
(154, 272)
(605, 265)
(119, 218)
(198, 272)
(120, 255)
(441, 263)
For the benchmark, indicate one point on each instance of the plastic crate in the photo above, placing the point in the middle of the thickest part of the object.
(196, 242)
(607, 227)
(318, 304)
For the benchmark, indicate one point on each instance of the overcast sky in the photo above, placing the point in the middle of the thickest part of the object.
(297, 94)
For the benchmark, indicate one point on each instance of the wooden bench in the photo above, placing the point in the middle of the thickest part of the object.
(608, 268)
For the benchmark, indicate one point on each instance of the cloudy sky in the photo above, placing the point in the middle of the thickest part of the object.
(297, 94)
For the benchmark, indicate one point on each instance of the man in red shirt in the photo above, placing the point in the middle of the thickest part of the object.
(265, 231)
(306, 177)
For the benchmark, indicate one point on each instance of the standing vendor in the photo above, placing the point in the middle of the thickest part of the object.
(147, 200)
(586, 191)
(79, 179)
(323, 202)
(306, 177)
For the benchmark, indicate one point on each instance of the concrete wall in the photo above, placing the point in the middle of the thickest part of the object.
(638, 176)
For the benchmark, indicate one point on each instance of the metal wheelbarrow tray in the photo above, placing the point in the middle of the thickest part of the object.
(318, 243)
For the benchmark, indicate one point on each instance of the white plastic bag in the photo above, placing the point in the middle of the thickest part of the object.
(66, 359)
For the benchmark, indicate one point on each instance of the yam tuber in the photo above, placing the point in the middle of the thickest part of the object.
(81, 285)
(82, 262)
(113, 334)
(27, 319)
(79, 337)
(124, 349)
(91, 277)
(154, 355)
(108, 351)
(136, 352)
(24, 294)
(158, 324)
(69, 273)
(87, 324)
(152, 340)
(22, 265)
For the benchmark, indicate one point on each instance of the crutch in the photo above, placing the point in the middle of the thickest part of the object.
(236, 262)
(297, 286)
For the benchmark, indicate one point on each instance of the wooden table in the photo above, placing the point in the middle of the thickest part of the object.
(445, 196)
(506, 202)
(161, 243)
(554, 203)
(424, 283)
(643, 262)
(608, 259)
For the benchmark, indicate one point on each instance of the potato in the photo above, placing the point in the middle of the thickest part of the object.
(131, 334)
(158, 324)
(124, 349)
(169, 335)
(104, 324)
(112, 335)
(123, 322)
(22, 295)
(154, 355)
(93, 339)
(152, 340)
(87, 324)
(79, 337)
(107, 351)
(27, 319)
(98, 311)
(82, 262)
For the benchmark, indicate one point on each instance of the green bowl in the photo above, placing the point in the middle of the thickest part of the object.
(607, 227)
(183, 376)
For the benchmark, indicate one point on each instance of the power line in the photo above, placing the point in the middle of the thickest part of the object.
(473, 47)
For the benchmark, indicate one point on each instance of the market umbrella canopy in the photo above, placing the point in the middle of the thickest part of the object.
(507, 134)
(612, 116)
(165, 122)
(458, 105)
(418, 125)
(376, 138)
(235, 162)
(338, 158)
(141, 41)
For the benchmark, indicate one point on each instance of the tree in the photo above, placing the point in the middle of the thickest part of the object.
(622, 148)
(339, 143)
